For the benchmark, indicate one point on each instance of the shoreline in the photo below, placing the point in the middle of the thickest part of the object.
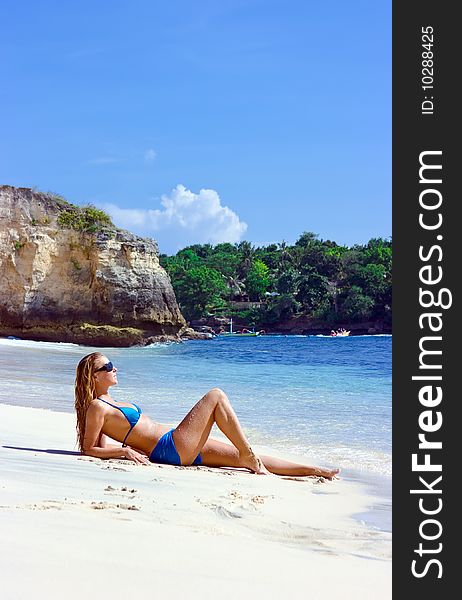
(253, 536)
(165, 339)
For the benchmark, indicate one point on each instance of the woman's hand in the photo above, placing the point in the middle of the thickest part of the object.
(135, 456)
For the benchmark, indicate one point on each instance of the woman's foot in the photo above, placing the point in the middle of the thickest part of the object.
(251, 461)
(330, 474)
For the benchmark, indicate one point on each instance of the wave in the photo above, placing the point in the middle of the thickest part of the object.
(17, 342)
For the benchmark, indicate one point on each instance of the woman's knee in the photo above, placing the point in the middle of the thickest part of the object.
(217, 395)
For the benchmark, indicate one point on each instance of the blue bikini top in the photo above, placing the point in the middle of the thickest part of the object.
(132, 415)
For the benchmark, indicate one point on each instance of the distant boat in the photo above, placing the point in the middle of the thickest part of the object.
(339, 333)
(243, 333)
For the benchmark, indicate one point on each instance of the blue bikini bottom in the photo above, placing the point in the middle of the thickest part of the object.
(166, 453)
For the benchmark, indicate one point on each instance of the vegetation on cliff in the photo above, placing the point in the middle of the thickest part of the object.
(266, 285)
(88, 218)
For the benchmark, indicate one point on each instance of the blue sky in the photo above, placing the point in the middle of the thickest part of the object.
(204, 121)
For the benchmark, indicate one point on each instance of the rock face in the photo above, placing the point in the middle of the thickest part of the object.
(58, 283)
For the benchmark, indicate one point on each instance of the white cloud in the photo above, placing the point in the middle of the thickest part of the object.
(150, 155)
(186, 218)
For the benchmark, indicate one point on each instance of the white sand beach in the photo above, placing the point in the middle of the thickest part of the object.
(75, 527)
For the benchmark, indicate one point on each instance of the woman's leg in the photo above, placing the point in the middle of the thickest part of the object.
(192, 433)
(218, 454)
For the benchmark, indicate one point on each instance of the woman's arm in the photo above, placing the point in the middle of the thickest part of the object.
(95, 441)
(93, 435)
(102, 442)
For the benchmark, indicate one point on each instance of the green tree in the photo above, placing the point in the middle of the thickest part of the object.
(189, 257)
(379, 250)
(306, 239)
(313, 292)
(236, 286)
(257, 280)
(288, 282)
(246, 256)
(201, 250)
(357, 306)
(372, 278)
(283, 307)
(227, 248)
(285, 257)
(176, 266)
(224, 262)
(269, 255)
(198, 289)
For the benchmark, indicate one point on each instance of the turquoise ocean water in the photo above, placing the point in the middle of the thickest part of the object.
(324, 398)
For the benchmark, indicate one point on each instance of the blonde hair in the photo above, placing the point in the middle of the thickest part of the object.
(84, 391)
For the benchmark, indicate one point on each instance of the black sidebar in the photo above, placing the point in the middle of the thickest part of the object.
(427, 245)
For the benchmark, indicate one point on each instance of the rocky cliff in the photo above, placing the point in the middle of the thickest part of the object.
(62, 279)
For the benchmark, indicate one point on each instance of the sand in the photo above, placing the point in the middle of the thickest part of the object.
(74, 526)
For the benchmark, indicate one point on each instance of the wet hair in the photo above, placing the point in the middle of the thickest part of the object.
(84, 392)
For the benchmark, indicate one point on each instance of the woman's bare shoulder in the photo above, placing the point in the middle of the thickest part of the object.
(96, 406)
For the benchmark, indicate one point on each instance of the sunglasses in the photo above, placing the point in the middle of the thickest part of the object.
(107, 367)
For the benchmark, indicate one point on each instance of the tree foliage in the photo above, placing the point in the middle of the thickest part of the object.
(257, 280)
(313, 277)
(198, 290)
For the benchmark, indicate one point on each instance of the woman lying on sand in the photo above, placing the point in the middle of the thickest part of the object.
(99, 417)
